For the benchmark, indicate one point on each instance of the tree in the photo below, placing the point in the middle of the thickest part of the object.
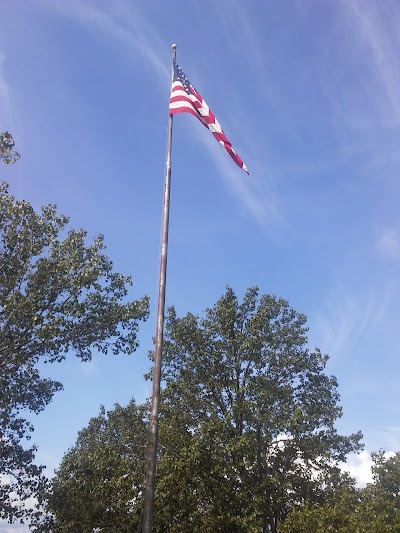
(7, 154)
(386, 474)
(58, 295)
(246, 427)
(99, 482)
(384, 494)
(338, 515)
(247, 418)
(363, 510)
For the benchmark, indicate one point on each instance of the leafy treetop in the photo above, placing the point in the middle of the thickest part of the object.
(58, 295)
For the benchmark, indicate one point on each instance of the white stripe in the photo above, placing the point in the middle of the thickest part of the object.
(194, 98)
(180, 104)
(176, 83)
(215, 127)
(180, 92)
(204, 111)
(201, 111)
(206, 108)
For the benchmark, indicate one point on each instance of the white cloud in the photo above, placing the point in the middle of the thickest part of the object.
(388, 243)
(347, 318)
(254, 192)
(389, 438)
(123, 25)
(29, 503)
(382, 41)
(5, 527)
(359, 466)
(88, 368)
(4, 90)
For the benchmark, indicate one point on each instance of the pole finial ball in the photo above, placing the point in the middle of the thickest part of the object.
(174, 47)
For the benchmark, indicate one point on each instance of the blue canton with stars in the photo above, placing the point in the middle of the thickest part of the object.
(180, 76)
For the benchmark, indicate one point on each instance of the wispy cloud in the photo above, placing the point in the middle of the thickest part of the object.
(388, 243)
(390, 438)
(89, 368)
(346, 319)
(4, 91)
(117, 22)
(234, 21)
(253, 191)
(383, 44)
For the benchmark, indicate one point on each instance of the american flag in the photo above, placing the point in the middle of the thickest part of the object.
(185, 99)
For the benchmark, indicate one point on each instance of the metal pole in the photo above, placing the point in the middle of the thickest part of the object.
(151, 459)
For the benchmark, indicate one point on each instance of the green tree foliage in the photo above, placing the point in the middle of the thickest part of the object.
(382, 499)
(58, 295)
(7, 153)
(386, 474)
(367, 510)
(246, 428)
(99, 481)
(248, 418)
(372, 509)
(336, 515)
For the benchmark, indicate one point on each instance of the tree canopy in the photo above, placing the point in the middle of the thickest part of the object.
(250, 413)
(246, 428)
(58, 295)
(356, 510)
(99, 481)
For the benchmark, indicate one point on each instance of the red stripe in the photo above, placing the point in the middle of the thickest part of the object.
(178, 87)
(183, 110)
(180, 98)
(220, 136)
(195, 93)
(212, 116)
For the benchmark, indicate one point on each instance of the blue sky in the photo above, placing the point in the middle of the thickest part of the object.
(307, 92)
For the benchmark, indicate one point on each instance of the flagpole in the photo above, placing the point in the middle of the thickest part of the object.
(151, 458)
